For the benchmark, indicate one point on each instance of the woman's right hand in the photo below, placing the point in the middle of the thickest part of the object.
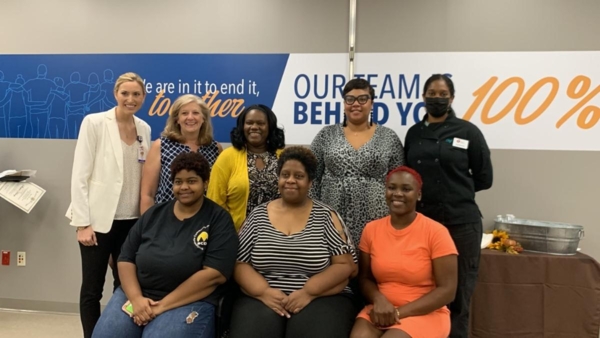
(274, 299)
(87, 236)
(383, 313)
(142, 310)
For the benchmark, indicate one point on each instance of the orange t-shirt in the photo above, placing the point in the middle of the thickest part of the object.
(401, 260)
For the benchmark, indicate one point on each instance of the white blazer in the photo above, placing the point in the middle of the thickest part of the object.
(97, 176)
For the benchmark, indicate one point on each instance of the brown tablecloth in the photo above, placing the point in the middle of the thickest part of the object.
(536, 296)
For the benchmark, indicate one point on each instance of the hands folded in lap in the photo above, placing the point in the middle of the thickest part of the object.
(145, 310)
(384, 314)
(283, 304)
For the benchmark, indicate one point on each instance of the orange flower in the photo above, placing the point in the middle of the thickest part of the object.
(501, 242)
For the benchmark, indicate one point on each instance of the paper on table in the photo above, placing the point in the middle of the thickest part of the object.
(23, 195)
(486, 240)
(7, 172)
(25, 172)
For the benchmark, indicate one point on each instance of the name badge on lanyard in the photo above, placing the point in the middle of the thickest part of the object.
(141, 150)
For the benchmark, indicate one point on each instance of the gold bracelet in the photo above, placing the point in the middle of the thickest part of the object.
(81, 228)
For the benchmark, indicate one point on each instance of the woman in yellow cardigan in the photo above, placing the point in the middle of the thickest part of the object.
(245, 175)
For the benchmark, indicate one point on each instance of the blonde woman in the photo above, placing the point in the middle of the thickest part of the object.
(188, 129)
(105, 186)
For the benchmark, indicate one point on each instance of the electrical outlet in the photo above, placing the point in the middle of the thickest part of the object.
(21, 260)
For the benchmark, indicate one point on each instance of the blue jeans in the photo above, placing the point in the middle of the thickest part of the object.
(115, 323)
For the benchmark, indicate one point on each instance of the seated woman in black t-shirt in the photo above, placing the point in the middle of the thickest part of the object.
(173, 263)
(294, 262)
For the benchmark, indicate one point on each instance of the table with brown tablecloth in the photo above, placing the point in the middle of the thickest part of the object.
(536, 296)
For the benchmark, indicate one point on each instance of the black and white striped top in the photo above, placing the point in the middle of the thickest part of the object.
(287, 262)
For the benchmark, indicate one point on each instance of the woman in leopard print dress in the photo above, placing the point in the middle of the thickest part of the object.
(354, 158)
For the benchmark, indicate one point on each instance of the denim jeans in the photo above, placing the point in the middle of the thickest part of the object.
(116, 323)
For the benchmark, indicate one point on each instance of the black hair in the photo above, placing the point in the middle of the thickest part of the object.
(275, 139)
(191, 162)
(302, 155)
(436, 77)
(359, 84)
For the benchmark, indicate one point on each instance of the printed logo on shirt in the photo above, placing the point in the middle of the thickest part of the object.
(201, 237)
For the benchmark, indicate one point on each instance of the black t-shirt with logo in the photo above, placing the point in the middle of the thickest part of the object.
(167, 251)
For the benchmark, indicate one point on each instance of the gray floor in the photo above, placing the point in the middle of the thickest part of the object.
(39, 324)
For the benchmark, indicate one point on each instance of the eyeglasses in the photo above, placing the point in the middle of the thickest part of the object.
(362, 99)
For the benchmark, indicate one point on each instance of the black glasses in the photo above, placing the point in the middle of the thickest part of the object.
(362, 99)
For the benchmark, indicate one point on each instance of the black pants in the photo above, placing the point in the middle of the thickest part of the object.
(358, 298)
(94, 263)
(467, 238)
(324, 317)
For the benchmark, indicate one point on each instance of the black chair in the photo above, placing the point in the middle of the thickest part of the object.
(225, 307)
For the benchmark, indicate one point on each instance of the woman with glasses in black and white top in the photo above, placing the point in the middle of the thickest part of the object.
(353, 159)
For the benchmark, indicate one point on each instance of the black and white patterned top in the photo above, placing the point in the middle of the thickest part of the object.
(287, 262)
(169, 149)
(353, 181)
(263, 182)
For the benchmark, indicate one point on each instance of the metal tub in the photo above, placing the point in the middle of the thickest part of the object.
(541, 236)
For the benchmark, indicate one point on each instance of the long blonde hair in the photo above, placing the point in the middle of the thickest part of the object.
(173, 129)
(130, 77)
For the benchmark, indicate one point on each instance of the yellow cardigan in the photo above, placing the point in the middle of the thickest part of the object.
(229, 185)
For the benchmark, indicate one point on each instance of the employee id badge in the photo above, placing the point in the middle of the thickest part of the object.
(460, 143)
(141, 151)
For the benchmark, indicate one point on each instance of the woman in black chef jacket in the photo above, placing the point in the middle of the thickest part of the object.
(454, 161)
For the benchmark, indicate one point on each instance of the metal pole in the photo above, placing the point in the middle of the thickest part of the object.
(352, 37)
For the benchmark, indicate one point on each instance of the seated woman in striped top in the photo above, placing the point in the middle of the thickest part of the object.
(294, 262)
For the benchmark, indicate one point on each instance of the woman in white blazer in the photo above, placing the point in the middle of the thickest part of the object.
(105, 189)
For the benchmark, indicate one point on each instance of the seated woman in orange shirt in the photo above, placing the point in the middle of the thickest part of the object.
(408, 269)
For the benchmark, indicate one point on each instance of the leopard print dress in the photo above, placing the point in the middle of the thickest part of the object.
(353, 181)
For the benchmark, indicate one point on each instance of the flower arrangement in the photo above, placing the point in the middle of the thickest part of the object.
(501, 242)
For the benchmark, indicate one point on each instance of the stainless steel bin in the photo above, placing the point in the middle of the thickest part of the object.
(542, 236)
